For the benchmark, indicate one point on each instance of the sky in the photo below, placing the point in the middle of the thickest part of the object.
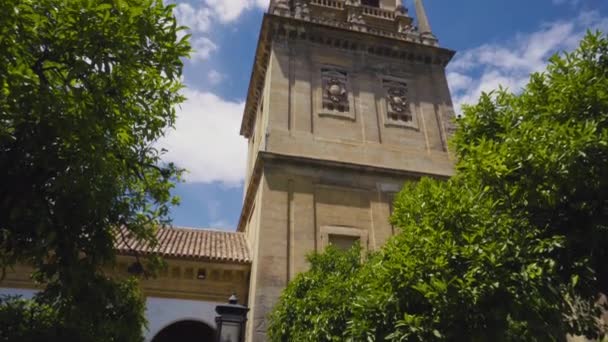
(498, 42)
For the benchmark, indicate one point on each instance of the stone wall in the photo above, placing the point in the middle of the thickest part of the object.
(304, 205)
(342, 120)
(299, 125)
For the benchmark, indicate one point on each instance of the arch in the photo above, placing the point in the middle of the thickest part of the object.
(186, 331)
(162, 312)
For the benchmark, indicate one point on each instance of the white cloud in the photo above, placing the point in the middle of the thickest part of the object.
(214, 77)
(510, 64)
(263, 4)
(222, 224)
(229, 10)
(206, 139)
(203, 47)
(197, 19)
(200, 19)
(458, 81)
(213, 209)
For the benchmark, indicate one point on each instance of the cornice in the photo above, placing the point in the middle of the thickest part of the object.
(363, 168)
(334, 34)
(254, 182)
(265, 157)
(256, 81)
(205, 260)
(217, 296)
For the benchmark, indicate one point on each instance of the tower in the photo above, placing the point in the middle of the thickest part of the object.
(347, 101)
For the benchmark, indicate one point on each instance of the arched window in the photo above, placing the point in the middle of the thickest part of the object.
(186, 331)
(372, 3)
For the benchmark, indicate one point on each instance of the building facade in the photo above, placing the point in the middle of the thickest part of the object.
(347, 101)
(204, 267)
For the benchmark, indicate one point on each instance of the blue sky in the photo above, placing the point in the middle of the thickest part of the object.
(499, 42)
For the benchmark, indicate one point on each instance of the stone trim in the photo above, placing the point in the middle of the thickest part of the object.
(250, 192)
(326, 231)
(257, 79)
(263, 157)
(220, 281)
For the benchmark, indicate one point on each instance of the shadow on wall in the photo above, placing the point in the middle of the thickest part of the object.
(186, 331)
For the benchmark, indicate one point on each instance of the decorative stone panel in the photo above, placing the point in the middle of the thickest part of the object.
(335, 98)
(398, 104)
(335, 94)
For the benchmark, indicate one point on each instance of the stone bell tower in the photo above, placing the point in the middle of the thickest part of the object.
(348, 99)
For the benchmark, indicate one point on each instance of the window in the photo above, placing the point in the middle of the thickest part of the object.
(372, 3)
(343, 242)
(343, 237)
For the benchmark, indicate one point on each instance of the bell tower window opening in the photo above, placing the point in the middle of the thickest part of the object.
(371, 3)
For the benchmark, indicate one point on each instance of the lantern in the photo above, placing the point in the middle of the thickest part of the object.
(231, 321)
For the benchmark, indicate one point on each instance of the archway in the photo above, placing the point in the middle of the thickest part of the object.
(186, 331)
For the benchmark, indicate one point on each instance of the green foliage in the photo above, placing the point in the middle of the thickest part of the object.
(27, 321)
(86, 88)
(315, 305)
(513, 247)
(461, 269)
(544, 154)
(118, 315)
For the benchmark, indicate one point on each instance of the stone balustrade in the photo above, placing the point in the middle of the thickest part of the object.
(337, 4)
(378, 12)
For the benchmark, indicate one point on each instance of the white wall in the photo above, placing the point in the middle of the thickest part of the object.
(160, 312)
(27, 294)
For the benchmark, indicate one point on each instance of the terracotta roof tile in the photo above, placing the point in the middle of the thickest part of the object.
(191, 243)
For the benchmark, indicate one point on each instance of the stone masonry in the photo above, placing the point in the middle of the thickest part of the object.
(347, 101)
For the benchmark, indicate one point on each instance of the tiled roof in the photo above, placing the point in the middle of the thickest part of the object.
(190, 243)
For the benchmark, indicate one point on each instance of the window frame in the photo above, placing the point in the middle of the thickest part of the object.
(352, 232)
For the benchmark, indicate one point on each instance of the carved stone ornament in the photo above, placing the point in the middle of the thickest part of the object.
(301, 10)
(355, 15)
(279, 7)
(398, 104)
(335, 94)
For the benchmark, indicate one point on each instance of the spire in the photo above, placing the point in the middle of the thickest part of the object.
(423, 22)
(424, 27)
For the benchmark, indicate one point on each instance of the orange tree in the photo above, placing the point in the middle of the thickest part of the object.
(512, 248)
(86, 88)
